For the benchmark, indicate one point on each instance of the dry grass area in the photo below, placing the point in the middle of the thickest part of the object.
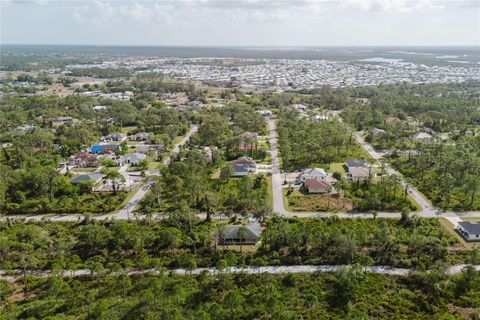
(247, 248)
(317, 202)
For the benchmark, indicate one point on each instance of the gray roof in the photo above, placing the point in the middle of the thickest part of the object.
(357, 163)
(253, 230)
(87, 177)
(470, 227)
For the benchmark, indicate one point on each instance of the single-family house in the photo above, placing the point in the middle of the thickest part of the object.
(243, 166)
(131, 158)
(83, 160)
(376, 131)
(115, 136)
(26, 127)
(151, 149)
(316, 186)
(91, 178)
(469, 230)
(241, 234)
(320, 117)
(422, 136)
(248, 141)
(99, 108)
(358, 173)
(63, 118)
(140, 136)
(105, 148)
(311, 173)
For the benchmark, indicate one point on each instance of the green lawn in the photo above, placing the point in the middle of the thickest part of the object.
(337, 167)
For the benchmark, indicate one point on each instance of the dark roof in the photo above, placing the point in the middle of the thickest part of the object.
(356, 163)
(87, 177)
(470, 227)
(243, 160)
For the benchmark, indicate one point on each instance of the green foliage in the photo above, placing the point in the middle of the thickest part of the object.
(304, 143)
(348, 294)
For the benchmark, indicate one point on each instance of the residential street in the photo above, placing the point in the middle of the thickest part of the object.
(13, 275)
(124, 213)
(428, 211)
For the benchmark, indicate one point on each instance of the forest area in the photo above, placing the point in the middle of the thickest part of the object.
(346, 294)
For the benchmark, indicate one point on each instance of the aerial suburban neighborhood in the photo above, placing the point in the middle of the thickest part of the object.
(272, 181)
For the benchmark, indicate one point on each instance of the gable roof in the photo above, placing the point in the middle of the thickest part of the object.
(249, 135)
(470, 227)
(422, 135)
(243, 161)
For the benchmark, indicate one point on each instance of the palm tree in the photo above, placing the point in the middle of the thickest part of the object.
(114, 177)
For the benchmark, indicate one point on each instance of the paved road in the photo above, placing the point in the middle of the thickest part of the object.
(125, 213)
(279, 206)
(14, 275)
(427, 208)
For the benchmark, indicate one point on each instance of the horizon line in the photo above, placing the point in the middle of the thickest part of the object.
(243, 46)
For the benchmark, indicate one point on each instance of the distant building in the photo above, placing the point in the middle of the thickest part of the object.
(26, 127)
(422, 136)
(265, 113)
(115, 136)
(105, 148)
(131, 158)
(320, 117)
(140, 136)
(98, 108)
(83, 159)
(243, 166)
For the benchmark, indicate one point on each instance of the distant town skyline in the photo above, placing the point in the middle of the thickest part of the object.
(242, 23)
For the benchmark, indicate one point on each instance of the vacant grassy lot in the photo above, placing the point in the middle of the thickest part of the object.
(297, 201)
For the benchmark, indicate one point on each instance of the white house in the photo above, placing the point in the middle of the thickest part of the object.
(422, 136)
(131, 158)
(311, 173)
(469, 230)
(320, 117)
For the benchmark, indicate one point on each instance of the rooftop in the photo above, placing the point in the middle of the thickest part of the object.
(470, 227)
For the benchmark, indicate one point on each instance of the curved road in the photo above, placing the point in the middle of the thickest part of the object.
(428, 210)
(125, 213)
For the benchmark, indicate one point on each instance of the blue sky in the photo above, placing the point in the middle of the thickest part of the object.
(241, 23)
